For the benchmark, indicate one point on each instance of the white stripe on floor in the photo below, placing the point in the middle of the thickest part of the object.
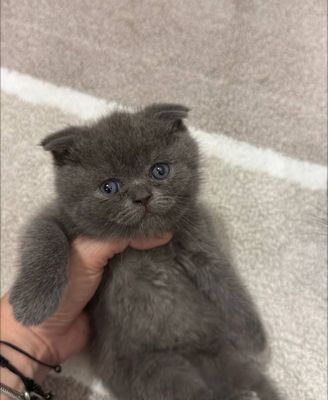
(241, 154)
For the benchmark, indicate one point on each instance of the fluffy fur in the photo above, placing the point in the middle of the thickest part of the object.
(172, 323)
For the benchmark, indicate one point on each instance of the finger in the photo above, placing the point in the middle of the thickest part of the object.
(76, 338)
(144, 244)
(94, 254)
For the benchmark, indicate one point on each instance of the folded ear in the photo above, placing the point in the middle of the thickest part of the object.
(172, 113)
(62, 145)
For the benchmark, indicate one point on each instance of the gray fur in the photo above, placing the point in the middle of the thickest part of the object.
(170, 323)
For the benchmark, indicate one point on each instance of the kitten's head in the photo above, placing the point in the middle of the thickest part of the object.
(129, 174)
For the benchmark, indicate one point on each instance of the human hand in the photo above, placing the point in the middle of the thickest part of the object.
(67, 331)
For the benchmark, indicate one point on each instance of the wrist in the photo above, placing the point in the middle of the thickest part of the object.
(24, 365)
(27, 340)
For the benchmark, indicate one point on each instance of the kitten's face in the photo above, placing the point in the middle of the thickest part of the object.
(129, 174)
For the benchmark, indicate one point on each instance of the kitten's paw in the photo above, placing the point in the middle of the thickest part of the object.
(247, 395)
(32, 308)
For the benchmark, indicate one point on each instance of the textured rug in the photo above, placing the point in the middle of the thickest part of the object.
(254, 74)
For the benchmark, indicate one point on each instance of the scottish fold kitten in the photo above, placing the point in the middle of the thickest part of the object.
(171, 323)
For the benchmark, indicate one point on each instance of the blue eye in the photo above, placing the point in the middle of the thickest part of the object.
(160, 171)
(109, 187)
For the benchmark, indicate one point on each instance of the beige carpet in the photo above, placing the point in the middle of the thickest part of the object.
(252, 70)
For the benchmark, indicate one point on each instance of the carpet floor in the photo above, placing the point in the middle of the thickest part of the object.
(254, 74)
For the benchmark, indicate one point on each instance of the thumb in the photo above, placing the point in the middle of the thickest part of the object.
(144, 244)
(93, 254)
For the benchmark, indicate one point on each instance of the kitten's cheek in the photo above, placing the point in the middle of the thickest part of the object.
(130, 215)
(161, 205)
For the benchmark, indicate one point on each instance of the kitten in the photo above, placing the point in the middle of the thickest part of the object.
(171, 323)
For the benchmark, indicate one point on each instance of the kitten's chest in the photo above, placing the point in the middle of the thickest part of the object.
(147, 298)
(156, 272)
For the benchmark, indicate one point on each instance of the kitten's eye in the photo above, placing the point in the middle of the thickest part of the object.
(160, 171)
(109, 187)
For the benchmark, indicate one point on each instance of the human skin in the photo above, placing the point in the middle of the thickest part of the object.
(67, 331)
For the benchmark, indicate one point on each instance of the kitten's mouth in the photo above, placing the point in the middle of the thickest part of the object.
(146, 211)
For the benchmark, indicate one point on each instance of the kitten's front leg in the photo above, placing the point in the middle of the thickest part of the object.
(243, 325)
(215, 277)
(42, 277)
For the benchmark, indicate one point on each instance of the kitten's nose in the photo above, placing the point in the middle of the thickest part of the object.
(144, 200)
(140, 195)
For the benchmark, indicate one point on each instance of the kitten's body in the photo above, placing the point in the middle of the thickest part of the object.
(172, 323)
(163, 310)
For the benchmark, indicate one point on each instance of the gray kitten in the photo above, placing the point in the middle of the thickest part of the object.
(171, 323)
